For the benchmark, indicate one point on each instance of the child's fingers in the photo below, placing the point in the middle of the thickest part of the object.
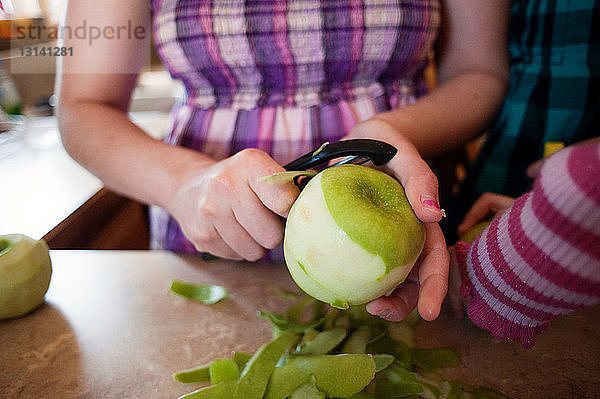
(487, 204)
(533, 170)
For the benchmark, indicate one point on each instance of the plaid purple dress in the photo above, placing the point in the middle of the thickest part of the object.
(284, 76)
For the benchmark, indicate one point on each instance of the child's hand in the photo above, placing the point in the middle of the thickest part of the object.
(227, 212)
(488, 206)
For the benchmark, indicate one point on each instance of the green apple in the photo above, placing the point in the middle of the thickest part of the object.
(471, 234)
(351, 236)
(25, 270)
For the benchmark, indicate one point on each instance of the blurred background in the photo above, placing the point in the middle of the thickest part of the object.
(45, 194)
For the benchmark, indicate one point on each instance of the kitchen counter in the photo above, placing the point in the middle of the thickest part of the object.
(111, 328)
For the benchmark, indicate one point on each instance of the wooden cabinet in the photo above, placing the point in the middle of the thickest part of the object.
(105, 221)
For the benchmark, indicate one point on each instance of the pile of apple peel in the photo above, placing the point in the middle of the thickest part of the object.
(322, 352)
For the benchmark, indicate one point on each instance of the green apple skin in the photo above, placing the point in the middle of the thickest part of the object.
(25, 271)
(351, 236)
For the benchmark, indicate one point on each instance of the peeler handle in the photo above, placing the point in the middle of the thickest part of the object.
(377, 151)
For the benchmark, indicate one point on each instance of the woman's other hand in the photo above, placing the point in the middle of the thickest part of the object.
(226, 211)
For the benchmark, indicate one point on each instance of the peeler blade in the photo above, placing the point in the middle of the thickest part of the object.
(355, 151)
(376, 151)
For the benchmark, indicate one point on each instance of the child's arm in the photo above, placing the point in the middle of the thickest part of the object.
(541, 258)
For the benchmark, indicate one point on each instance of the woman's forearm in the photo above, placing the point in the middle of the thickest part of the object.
(451, 115)
(472, 68)
(103, 139)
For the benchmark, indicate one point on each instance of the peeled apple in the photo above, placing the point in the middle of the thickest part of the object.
(25, 270)
(351, 236)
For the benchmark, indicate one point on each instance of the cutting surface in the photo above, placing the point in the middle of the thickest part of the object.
(110, 327)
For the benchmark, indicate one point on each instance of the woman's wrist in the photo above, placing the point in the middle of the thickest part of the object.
(181, 168)
(381, 128)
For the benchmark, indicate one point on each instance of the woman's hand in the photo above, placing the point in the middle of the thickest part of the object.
(226, 211)
(427, 284)
(419, 182)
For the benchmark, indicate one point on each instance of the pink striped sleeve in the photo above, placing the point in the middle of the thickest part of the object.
(541, 258)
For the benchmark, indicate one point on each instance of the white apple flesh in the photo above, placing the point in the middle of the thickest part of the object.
(351, 236)
(25, 271)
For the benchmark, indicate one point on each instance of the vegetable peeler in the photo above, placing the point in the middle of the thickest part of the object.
(355, 151)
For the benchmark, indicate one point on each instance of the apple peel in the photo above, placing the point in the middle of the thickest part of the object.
(286, 177)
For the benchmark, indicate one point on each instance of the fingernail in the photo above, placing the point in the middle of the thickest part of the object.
(432, 204)
(385, 313)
